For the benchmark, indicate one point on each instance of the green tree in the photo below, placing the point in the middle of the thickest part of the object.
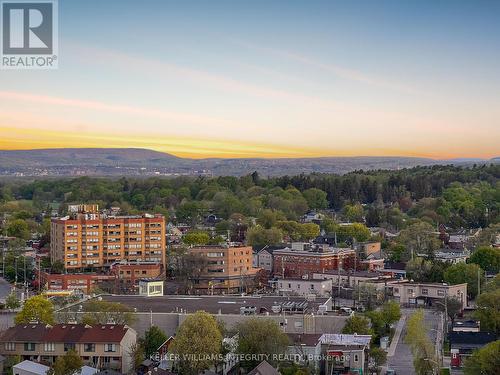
(309, 231)
(419, 238)
(258, 236)
(68, 364)
(488, 311)
(355, 231)
(12, 302)
(484, 361)
(357, 324)
(465, 273)
(453, 307)
(18, 228)
(153, 338)
(198, 336)
(488, 258)
(379, 357)
(137, 355)
(36, 308)
(424, 360)
(257, 336)
(316, 198)
(103, 312)
(353, 212)
(391, 312)
(196, 238)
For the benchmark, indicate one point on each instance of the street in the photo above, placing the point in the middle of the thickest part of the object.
(5, 289)
(402, 360)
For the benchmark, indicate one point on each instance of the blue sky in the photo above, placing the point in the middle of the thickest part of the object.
(266, 78)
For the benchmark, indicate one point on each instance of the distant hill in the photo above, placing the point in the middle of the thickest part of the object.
(135, 161)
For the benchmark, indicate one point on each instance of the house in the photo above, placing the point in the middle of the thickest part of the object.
(29, 368)
(264, 259)
(466, 326)
(264, 368)
(452, 256)
(103, 346)
(462, 344)
(304, 287)
(304, 348)
(344, 354)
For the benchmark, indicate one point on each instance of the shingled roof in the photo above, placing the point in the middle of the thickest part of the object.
(71, 333)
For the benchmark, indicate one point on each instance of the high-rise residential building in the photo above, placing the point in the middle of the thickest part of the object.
(87, 238)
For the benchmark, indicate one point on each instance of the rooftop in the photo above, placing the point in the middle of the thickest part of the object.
(32, 367)
(211, 304)
(111, 333)
(343, 339)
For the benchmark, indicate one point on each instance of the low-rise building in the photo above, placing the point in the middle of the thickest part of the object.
(452, 256)
(103, 346)
(30, 368)
(224, 269)
(304, 287)
(264, 259)
(150, 287)
(344, 354)
(298, 262)
(426, 294)
(462, 344)
(466, 326)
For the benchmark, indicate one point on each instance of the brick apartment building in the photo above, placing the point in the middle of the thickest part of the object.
(225, 269)
(106, 346)
(121, 278)
(90, 239)
(299, 261)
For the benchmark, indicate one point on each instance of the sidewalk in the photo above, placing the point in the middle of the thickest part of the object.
(396, 337)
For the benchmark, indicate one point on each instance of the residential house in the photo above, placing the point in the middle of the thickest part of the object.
(344, 354)
(103, 346)
(462, 344)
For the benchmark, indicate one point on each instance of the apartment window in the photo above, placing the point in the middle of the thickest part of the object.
(49, 346)
(410, 291)
(356, 358)
(425, 291)
(312, 286)
(29, 346)
(110, 347)
(10, 346)
(89, 347)
(69, 346)
(441, 293)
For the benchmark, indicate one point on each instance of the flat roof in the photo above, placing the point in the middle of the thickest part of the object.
(211, 304)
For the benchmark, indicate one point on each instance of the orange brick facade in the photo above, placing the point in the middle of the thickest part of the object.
(92, 241)
(289, 263)
(226, 269)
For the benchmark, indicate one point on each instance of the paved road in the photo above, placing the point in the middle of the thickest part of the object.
(402, 360)
(5, 288)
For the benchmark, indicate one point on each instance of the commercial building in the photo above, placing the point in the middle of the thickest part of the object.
(425, 294)
(150, 287)
(87, 238)
(305, 287)
(106, 346)
(299, 261)
(121, 278)
(224, 269)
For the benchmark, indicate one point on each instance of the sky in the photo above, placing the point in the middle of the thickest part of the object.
(265, 78)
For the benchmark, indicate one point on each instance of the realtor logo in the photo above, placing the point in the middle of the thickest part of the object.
(29, 34)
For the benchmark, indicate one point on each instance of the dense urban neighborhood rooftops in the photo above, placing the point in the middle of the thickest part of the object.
(211, 304)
